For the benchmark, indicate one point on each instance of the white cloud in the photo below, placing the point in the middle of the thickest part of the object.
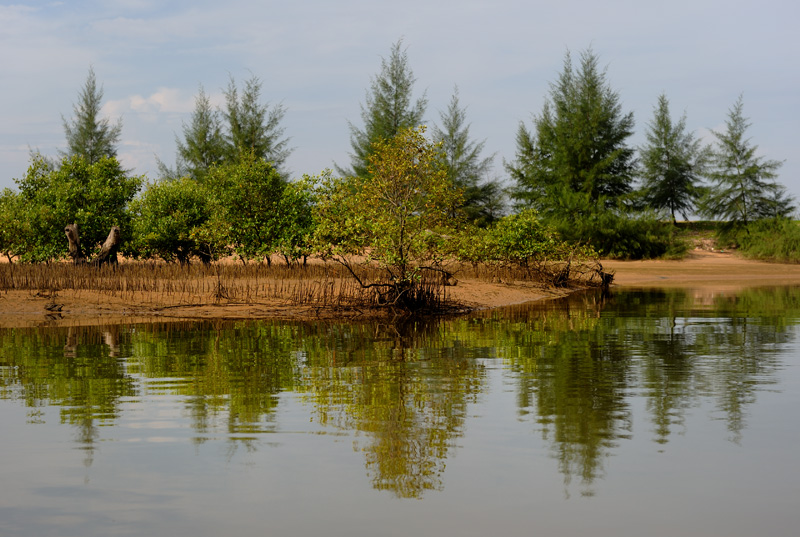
(165, 101)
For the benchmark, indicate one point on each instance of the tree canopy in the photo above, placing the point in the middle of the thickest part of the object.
(579, 142)
(172, 220)
(743, 187)
(388, 109)
(245, 126)
(95, 196)
(89, 135)
(396, 217)
(249, 193)
(466, 168)
(254, 127)
(672, 163)
(203, 143)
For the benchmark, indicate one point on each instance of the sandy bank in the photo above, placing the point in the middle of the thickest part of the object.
(705, 269)
(701, 269)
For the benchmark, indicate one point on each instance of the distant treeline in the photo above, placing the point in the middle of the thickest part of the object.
(409, 197)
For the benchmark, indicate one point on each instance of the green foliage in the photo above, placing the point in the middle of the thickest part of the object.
(250, 127)
(88, 135)
(632, 236)
(769, 239)
(465, 167)
(743, 187)
(204, 142)
(398, 217)
(249, 193)
(92, 195)
(173, 220)
(520, 239)
(12, 224)
(524, 242)
(579, 142)
(388, 110)
(576, 169)
(406, 201)
(337, 220)
(617, 232)
(253, 127)
(672, 162)
(296, 220)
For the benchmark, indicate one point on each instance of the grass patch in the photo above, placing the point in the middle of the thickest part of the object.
(776, 240)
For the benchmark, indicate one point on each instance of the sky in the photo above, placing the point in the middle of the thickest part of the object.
(317, 58)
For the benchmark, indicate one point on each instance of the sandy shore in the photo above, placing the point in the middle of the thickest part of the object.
(701, 269)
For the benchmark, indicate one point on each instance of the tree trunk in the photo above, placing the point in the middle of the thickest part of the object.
(108, 253)
(75, 252)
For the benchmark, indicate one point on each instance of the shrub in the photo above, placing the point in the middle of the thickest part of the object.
(249, 191)
(623, 234)
(93, 196)
(172, 220)
(771, 240)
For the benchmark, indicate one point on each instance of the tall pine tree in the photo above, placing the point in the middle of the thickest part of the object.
(204, 141)
(577, 155)
(88, 135)
(254, 128)
(672, 163)
(388, 109)
(465, 166)
(743, 187)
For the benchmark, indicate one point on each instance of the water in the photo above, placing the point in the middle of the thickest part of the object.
(644, 413)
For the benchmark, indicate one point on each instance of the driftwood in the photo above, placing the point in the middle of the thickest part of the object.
(75, 251)
(108, 252)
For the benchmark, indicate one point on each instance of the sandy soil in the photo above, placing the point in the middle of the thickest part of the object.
(700, 270)
(703, 269)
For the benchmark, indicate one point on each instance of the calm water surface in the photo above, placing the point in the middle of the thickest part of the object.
(644, 413)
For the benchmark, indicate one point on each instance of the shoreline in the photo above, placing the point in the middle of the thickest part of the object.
(701, 269)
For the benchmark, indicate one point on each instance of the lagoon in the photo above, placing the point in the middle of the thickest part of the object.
(660, 412)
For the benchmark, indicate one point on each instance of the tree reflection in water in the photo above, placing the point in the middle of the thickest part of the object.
(403, 389)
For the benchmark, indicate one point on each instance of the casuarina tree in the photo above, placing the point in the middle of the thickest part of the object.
(578, 147)
(89, 135)
(672, 163)
(388, 109)
(203, 143)
(743, 188)
(466, 167)
(254, 127)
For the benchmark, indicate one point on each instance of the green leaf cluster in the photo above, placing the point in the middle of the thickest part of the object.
(466, 169)
(244, 126)
(254, 127)
(12, 224)
(398, 216)
(388, 110)
(88, 135)
(672, 164)
(579, 142)
(769, 239)
(249, 195)
(174, 220)
(296, 221)
(95, 196)
(743, 187)
(521, 240)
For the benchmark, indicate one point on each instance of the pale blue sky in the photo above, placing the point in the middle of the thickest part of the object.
(317, 58)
